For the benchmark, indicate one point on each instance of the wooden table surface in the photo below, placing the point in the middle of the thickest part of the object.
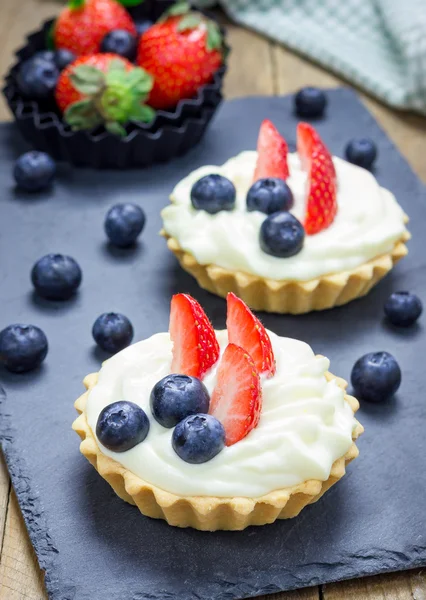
(257, 67)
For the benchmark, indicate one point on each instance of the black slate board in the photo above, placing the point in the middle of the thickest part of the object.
(91, 544)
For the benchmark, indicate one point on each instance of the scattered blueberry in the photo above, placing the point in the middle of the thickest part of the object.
(213, 193)
(56, 277)
(176, 397)
(34, 171)
(269, 195)
(361, 152)
(62, 58)
(281, 235)
(143, 25)
(122, 42)
(112, 332)
(122, 426)
(37, 78)
(403, 308)
(124, 223)
(310, 102)
(22, 347)
(376, 377)
(198, 438)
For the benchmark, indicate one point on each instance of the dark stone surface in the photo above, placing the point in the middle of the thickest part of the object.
(94, 546)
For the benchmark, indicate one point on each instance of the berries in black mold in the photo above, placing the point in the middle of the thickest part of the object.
(376, 377)
(124, 223)
(34, 171)
(37, 78)
(213, 193)
(269, 195)
(121, 42)
(62, 58)
(121, 426)
(281, 235)
(112, 332)
(56, 277)
(22, 347)
(403, 308)
(310, 102)
(198, 438)
(361, 152)
(178, 396)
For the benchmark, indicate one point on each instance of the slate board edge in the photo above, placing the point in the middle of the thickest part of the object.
(35, 522)
(45, 548)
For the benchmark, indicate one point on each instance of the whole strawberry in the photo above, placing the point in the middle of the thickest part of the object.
(83, 24)
(182, 52)
(103, 89)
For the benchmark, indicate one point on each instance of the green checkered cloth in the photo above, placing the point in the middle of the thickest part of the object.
(379, 45)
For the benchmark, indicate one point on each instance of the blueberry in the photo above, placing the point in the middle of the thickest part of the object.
(37, 78)
(213, 193)
(124, 223)
(376, 377)
(403, 308)
(122, 426)
(112, 332)
(120, 41)
(281, 235)
(269, 195)
(34, 171)
(62, 58)
(22, 347)
(143, 25)
(48, 55)
(198, 438)
(310, 102)
(56, 277)
(361, 152)
(176, 397)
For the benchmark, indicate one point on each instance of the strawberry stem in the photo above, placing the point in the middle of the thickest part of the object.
(76, 4)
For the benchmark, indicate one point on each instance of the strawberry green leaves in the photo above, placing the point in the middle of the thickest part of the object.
(214, 36)
(181, 7)
(113, 98)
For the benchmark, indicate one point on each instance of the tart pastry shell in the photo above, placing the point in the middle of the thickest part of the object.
(290, 296)
(202, 512)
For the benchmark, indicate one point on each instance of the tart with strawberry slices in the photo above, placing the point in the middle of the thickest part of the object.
(287, 232)
(217, 429)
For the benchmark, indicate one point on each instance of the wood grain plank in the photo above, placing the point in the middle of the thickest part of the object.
(20, 575)
(408, 585)
(4, 497)
(408, 131)
(250, 66)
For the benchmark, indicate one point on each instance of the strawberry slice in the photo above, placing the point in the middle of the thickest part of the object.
(272, 153)
(321, 199)
(237, 398)
(245, 330)
(195, 347)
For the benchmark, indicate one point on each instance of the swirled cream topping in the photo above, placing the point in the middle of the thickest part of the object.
(305, 424)
(369, 222)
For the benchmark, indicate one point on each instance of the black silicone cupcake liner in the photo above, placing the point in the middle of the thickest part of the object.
(171, 134)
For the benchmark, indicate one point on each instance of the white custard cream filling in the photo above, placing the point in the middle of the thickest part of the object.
(369, 222)
(305, 424)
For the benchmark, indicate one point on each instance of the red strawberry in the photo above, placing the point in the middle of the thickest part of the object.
(245, 330)
(195, 347)
(103, 89)
(237, 398)
(272, 153)
(321, 201)
(182, 53)
(83, 24)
